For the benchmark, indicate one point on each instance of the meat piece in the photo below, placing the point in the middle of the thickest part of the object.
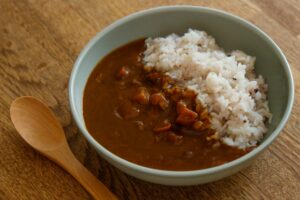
(174, 139)
(160, 100)
(186, 117)
(122, 73)
(162, 126)
(141, 96)
(128, 111)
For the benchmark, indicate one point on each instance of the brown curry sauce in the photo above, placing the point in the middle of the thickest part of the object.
(147, 118)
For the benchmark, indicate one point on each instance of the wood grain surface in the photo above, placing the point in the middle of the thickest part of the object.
(39, 42)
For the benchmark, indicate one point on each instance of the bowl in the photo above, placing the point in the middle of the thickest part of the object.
(231, 33)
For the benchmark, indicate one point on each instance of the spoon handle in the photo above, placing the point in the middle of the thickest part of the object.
(70, 163)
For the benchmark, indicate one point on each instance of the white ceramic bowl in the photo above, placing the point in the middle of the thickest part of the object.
(231, 32)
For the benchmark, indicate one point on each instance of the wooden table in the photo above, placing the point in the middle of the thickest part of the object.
(39, 42)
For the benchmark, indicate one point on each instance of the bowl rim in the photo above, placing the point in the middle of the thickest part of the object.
(182, 174)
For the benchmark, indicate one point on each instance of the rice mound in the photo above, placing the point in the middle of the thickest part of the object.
(225, 83)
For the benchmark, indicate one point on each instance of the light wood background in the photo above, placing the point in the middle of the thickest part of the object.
(39, 42)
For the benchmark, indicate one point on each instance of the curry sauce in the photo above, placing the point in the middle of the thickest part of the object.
(149, 119)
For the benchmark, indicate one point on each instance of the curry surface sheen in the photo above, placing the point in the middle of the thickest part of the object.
(132, 137)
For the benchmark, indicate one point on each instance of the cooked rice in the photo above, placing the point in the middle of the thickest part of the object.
(226, 83)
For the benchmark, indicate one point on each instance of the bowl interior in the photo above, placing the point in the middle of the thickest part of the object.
(230, 33)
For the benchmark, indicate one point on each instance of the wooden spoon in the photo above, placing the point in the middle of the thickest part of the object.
(38, 126)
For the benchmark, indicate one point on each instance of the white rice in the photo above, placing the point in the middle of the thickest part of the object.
(226, 84)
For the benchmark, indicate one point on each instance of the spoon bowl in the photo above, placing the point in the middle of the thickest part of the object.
(29, 115)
